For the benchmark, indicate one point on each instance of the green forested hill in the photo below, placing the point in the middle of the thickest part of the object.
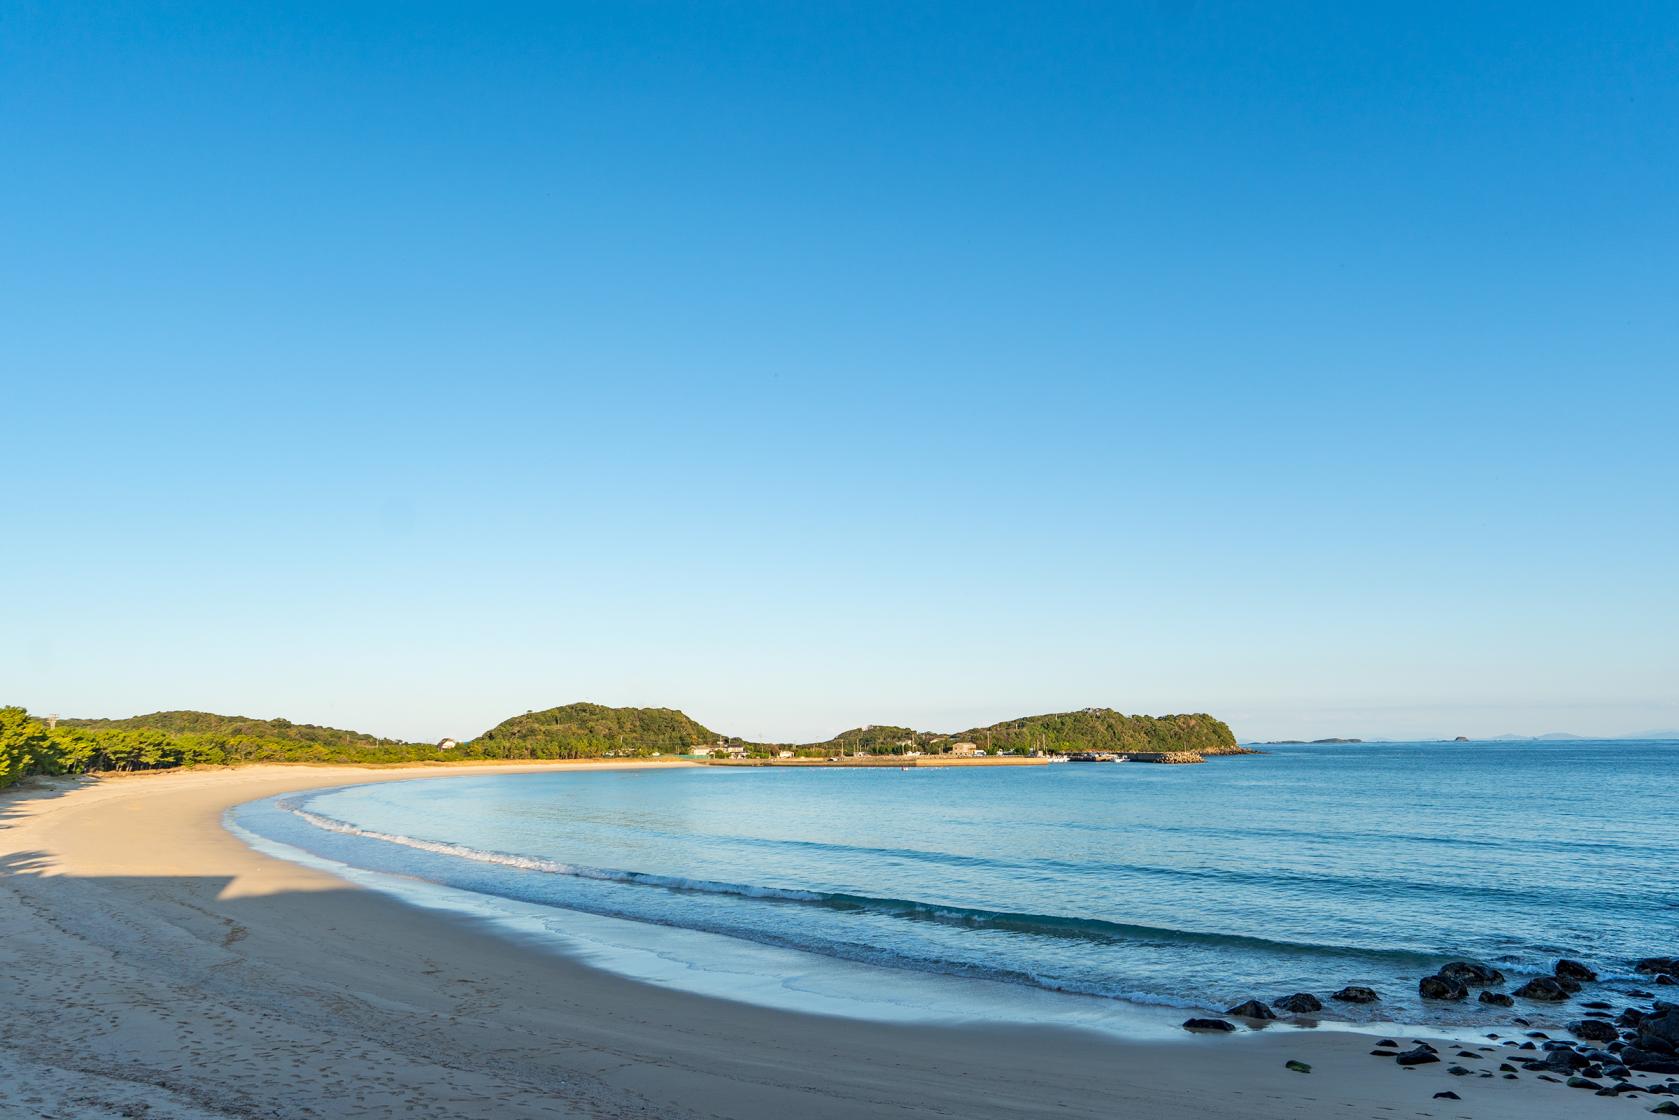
(1103, 729)
(874, 739)
(163, 740)
(208, 723)
(588, 730)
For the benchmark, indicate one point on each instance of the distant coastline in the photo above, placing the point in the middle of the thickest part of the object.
(178, 739)
(1656, 736)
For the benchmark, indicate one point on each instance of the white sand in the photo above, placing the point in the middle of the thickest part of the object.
(153, 965)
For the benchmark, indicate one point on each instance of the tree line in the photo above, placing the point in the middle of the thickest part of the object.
(29, 746)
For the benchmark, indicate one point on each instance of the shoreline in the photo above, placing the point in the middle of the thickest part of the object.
(150, 956)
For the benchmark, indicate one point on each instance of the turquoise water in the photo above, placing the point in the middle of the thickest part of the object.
(1308, 868)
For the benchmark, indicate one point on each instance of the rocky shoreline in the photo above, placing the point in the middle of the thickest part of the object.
(1613, 1052)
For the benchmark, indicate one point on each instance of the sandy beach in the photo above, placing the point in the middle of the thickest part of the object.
(151, 964)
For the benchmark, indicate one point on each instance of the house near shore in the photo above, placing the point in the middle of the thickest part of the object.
(447, 744)
(964, 750)
(784, 754)
(721, 750)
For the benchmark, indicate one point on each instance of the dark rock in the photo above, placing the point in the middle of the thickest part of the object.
(1544, 988)
(1653, 965)
(1497, 999)
(1441, 987)
(1566, 1061)
(1647, 1061)
(1207, 1025)
(1582, 1083)
(1459, 1071)
(1297, 1067)
(1512, 1077)
(1252, 1009)
(1380, 1053)
(1299, 1003)
(1386, 1042)
(1353, 993)
(1598, 1005)
(1662, 1028)
(1420, 1056)
(1471, 972)
(1593, 1030)
(1665, 979)
(1448, 1095)
(1639, 993)
(1573, 970)
(1506, 1067)
(1666, 1108)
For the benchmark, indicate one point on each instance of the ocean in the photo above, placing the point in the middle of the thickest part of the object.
(1070, 892)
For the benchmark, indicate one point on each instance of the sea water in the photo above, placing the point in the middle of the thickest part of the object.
(1070, 886)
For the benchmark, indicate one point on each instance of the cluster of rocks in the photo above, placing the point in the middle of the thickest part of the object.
(1258, 1013)
(1607, 1050)
(1453, 981)
(1601, 1051)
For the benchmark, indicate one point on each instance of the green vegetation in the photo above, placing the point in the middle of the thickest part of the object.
(1092, 729)
(24, 746)
(591, 731)
(164, 740)
(211, 726)
(1103, 729)
(873, 739)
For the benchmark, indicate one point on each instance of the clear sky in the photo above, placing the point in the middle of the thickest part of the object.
(408, 366)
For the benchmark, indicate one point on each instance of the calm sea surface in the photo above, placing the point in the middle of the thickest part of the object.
(1305, 869)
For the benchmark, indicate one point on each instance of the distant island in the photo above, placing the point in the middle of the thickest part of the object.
(165, 740)
(1305, 742)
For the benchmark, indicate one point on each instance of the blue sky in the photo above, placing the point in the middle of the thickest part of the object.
(405, 367)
